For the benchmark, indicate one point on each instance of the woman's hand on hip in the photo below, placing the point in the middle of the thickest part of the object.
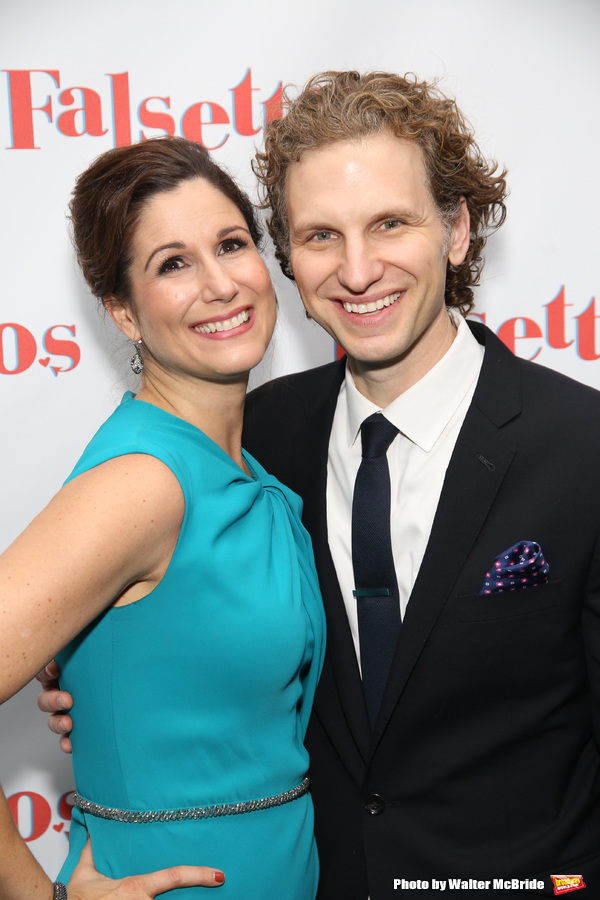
(88, 884)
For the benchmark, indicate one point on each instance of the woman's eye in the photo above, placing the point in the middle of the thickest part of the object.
(172, 264)
(232, 244)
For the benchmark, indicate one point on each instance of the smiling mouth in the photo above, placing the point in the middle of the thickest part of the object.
(375, 306)
(225, 325)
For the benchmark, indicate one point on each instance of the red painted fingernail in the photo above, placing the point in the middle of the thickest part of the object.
(219, 877)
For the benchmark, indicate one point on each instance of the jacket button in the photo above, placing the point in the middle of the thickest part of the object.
(375, 804)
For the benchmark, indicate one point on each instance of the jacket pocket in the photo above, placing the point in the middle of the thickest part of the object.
(507, 604)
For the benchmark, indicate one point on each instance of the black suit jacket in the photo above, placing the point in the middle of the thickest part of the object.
(484, 762)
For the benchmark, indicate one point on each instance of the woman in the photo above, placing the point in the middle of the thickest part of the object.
(171, 549)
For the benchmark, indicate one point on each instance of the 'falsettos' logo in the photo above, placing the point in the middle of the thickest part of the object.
(565, 883)
(78, 110)
(19, 349)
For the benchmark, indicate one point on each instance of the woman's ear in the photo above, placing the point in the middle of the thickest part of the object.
(122, 315)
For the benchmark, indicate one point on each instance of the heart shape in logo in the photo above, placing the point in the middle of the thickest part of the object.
(44, 362)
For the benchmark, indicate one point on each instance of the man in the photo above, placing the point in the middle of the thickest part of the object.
(453, 734)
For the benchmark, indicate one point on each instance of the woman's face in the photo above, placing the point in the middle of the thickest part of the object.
(201, 298)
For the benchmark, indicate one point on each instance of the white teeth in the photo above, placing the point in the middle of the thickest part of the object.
(362, 308)
(227, 325)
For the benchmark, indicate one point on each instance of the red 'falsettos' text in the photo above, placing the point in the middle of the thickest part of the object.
(37, 99)
(556, 332)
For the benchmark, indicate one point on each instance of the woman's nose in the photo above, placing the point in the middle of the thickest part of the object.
(216, 282)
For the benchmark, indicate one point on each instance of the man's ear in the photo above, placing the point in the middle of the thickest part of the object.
(460, 235)
(122, 315)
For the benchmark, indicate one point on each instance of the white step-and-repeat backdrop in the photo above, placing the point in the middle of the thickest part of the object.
(81, 77)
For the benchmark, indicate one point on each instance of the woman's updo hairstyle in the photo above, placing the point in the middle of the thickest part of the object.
(110, 195)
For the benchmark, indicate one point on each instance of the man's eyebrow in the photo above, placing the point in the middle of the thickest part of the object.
(317, 225)
(405, 214)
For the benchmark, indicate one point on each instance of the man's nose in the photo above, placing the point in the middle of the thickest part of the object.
(360, 266)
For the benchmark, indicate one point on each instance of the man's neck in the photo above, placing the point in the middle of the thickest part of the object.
(382, 383)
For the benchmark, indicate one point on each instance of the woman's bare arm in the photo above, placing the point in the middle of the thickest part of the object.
(107, 537)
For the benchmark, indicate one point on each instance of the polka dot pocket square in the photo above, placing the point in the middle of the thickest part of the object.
(521, 566)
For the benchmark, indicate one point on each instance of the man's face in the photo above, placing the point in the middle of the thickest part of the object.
(369, 253)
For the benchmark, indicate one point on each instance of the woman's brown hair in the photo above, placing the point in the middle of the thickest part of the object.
(110, 195)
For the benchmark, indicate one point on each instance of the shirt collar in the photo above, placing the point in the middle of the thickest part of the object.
(422, 412)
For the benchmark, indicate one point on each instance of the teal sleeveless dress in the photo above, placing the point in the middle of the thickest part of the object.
(199, 694)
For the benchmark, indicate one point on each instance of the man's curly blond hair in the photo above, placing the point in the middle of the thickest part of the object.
(341, 106)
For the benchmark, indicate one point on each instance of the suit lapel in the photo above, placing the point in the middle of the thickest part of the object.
(478, 465)
(341, 677)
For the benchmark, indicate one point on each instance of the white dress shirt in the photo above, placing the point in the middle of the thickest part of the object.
(429, 416)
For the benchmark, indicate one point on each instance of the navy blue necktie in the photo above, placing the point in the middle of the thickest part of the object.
(376, 588)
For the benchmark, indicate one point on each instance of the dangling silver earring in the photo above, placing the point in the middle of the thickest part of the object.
(137, 360)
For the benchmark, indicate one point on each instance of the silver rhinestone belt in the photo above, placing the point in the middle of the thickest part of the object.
(191, 812)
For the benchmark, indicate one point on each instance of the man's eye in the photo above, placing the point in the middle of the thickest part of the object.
(171, 265)
(322, 236)
(390, 224)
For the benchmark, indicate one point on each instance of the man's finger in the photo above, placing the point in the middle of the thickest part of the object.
(65, 744)
(49, 674)
(60, 724)
(54, 701)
